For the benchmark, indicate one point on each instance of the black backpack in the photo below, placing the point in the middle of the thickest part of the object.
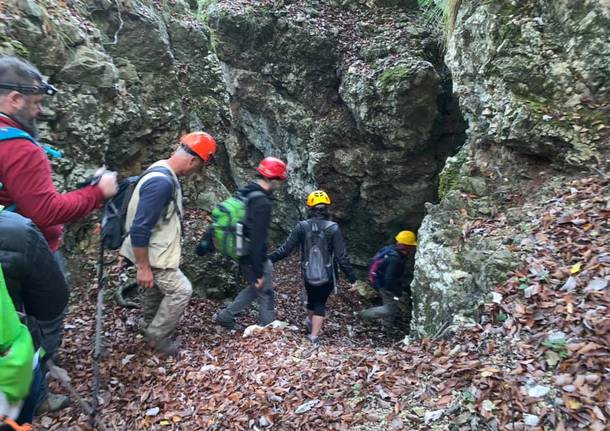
(318, 261)
(115, 210)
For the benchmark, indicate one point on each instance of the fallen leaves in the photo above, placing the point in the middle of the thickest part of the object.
(543, 364)
(558, 303)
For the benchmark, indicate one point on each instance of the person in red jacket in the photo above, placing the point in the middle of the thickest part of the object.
(26, 175)
(25, 171)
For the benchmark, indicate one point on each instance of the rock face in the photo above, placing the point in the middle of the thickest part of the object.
(354, 97)
(357, 102)
(532, 79)
(131, 82)
(123, 102)
(530, 75)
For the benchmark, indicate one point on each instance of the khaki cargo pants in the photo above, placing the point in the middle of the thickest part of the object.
(164, 303)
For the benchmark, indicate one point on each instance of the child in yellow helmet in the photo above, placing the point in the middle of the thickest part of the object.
(317, 231)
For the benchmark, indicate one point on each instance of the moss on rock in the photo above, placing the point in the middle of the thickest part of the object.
(449, 177)
(394, 75)
(10, 46)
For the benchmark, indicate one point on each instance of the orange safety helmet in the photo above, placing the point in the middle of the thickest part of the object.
(273, 169)
(201, 144)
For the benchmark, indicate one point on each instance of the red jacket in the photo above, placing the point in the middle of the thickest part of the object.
(25, 172)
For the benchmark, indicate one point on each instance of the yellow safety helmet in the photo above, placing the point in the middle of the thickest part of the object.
(318, 197)
(406, 237)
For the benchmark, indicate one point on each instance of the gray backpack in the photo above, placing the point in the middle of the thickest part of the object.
(318, 261)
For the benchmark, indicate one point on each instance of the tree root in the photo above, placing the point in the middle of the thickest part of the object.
(121, 295)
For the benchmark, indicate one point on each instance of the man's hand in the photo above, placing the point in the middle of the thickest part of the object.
(108, 184)
(259, 283)
(144, 277)
(99, 172)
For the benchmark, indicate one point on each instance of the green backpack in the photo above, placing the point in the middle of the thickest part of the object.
(16, 350)
(229, 218)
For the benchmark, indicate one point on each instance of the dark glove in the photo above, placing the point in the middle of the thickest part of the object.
(206, 245)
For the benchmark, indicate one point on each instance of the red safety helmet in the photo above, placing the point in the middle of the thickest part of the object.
(273, 169)
(201, 144)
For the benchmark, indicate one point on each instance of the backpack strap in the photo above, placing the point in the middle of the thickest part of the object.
(328, 225)
(9, 133)
(175, 186)
(253, 195)
(249, 197)
(387, 252)
(321, 225)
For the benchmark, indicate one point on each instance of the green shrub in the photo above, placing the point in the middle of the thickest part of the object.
(441, 14)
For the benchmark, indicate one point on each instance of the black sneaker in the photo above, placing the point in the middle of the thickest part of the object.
(314, 340)
(234, 326)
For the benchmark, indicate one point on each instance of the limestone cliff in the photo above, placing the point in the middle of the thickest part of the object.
(532, 80)
(132, 76)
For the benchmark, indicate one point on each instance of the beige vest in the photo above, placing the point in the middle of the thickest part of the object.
(165, 246)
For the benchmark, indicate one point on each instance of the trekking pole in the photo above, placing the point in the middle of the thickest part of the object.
(64, 380)
(98, 333)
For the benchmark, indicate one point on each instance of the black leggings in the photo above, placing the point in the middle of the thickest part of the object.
(317, 297)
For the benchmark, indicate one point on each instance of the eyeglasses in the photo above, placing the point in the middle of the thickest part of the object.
(209, 162)
(42, 88)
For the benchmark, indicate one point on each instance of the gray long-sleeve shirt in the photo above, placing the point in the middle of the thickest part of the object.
(336, 245)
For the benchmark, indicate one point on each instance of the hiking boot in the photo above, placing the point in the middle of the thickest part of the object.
(52, 403)
(307, 323)
(314, 340)
(231, 326)
(166, 346)
(226, 323)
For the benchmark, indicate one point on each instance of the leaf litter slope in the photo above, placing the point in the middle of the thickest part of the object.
(538, 360)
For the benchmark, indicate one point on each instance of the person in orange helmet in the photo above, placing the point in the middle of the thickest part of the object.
(255, 266)
(153, 243)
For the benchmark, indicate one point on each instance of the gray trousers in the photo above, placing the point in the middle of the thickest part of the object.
(52, 331)
(387, 311)
(264, 295)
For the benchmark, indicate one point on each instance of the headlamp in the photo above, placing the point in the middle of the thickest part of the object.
(42, 88)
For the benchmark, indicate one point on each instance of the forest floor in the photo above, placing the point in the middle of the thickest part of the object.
(539, 360)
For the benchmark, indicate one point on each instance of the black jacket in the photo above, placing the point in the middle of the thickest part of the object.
(336, 245)
(393, 269)
(33, 276)
(258, 220)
